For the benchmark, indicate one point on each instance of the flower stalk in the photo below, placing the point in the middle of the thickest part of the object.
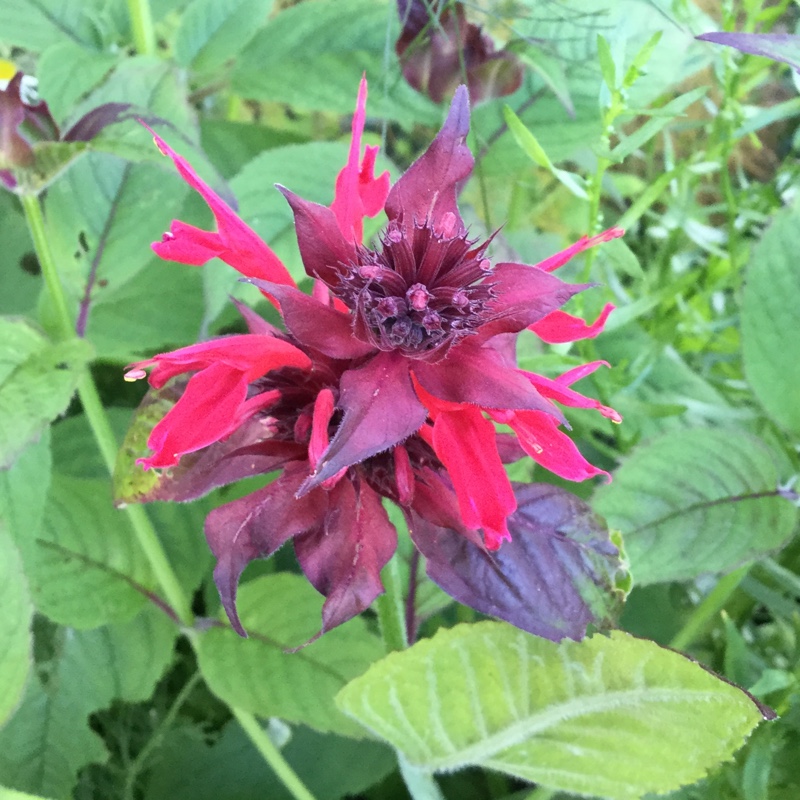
(142, 526)
(144, 37)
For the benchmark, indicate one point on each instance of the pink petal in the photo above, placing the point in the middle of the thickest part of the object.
(538, 433)
(236, 243)
(559, 259)
(558, 326)
(358, 192)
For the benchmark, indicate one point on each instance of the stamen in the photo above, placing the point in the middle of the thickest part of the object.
(134, 375)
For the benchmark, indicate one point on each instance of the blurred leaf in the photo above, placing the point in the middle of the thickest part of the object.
(769, 320)
(330, 766)
(560, 572)
(15, 626)
(12, 794)
(67, 72)
(311, 54)
(37, 381)
(696, 502)
(48, 740)
(583, 717)
(38, 24)
(212, 31)
(51, 160)
(85, 565)
(20, 267)
(257, 674)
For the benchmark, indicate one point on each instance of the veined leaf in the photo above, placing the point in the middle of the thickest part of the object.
(695, 502)
(611, 717)
(769, 319)
(37, 380)
(257, 674)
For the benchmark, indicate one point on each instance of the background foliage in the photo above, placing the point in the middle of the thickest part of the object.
(622, 119)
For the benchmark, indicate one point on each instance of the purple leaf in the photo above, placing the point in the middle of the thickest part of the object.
(479, 376)
(90, 125)
(343, 559)
(778, 46)
(525, 294)
(255, 526)
(316, 325)
(322, 245)
(380, 408)
(428, 189)
(559, 573)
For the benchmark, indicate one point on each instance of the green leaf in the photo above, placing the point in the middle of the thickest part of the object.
(257, 674)
(769, 320)
(694, 502)
(311, 54)
(650, 128)
(212, 31)
(12, 794)
(330, 766)
(67, 71)
(22, 281)
(610, 717)
(85, 568)
(15, 626)
(606, 60)
(51, 159)
(125, 660)
(527, 141)
(37, 381)
(38, 24)
(49, 740)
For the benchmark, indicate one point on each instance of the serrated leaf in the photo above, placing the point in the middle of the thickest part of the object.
(85, 568)
(212, 31)
(15, 626)
(349, 37)
(37, 381)
(695, 502)
(257, 674)
(609, 717)
(125, 660)
(48, 740)
(769, 318)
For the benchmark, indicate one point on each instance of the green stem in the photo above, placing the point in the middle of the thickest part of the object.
(158, 734)
(421, 785)
(392, 609)
(144, 36)
(705, 614)
(98, 419)
(271, 754)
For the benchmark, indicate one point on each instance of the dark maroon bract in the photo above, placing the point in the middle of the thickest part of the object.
(386, 384)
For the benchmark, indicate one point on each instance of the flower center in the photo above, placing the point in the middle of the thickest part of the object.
(420, 293)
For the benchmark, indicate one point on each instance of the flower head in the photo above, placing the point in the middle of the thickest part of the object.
(387, 381)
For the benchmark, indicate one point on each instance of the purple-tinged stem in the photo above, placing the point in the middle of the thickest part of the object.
(411, 598)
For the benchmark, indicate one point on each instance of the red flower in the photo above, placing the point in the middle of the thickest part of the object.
(385, 384)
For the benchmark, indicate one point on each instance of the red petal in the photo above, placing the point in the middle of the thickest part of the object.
(559, 259)
(465, 443)
(322, 244)
(315, 324)
(525, 295)
(250, 354)
(539, 434)
(236, 243)
(207, 412)
(558, 326)
(559, 390)
(255, 526)
(358, 193)
(343, 558)
(381, 410)
(427, 191)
